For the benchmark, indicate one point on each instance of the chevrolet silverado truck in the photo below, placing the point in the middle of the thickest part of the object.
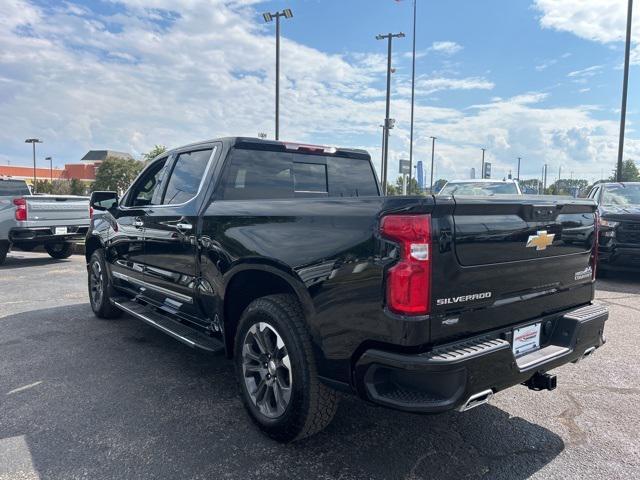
(286, 258)
(27, 221)
(619, 213)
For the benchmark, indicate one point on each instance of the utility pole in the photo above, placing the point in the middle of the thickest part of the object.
(519, 158)
(544, 184)
(33, 142)
(50, 160)
(433, 149)
(559, 173)
(482, 169)
(387, 121)
(382, 154)
(268, 17)
(413, 90)
(625, 87)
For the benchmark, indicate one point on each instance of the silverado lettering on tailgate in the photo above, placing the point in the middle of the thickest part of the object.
(463, 298)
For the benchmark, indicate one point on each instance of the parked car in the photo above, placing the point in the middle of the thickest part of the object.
(481, 187)
(286, 258)
(619, 213)
(27, 221)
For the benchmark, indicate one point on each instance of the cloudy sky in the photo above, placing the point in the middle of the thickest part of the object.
(539, 79)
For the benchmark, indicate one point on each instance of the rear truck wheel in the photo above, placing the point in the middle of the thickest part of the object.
(4, 249)
(100, 288)
(59, 250)
(276, 371)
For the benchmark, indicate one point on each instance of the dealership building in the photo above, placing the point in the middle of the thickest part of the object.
(84, 171)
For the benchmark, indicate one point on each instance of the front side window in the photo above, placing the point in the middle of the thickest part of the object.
(186, 176)
(142, 193)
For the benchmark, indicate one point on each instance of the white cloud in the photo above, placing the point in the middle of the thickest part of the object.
(602, 21)
(591, 71)
(145, 76)
(446, 47)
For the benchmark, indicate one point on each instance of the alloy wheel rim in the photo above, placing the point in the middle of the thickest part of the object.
(266, 369)
(96, 283)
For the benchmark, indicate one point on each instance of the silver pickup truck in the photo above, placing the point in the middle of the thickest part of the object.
(27, 221)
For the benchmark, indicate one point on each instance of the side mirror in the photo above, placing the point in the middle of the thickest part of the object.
(103, 201)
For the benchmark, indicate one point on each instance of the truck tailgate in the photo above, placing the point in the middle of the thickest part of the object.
(510, 259)
(56, 210)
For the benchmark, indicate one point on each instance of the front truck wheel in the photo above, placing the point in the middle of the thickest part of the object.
(4, 249)
(100, 288)
(59, 250)
(276, 370)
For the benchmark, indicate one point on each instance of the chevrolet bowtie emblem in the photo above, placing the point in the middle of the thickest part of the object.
(541, 241)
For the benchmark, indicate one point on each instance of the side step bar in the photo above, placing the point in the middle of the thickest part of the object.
(177, 330)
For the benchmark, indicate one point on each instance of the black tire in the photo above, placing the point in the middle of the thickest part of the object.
(59, 250)
(100, 300)
(4, 249)
(311, 405)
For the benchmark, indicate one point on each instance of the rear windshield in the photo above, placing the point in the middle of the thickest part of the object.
(13, 188)
(258, 174)
(480, 188)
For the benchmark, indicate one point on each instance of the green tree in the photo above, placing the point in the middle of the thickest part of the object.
(629, 172)
(116, 174)
(76, 187)
(566, 186)
(153, 153)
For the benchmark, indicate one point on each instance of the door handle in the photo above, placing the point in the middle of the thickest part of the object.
(137, 222)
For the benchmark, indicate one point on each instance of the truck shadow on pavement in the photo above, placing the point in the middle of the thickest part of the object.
(118, 399)
(619, 282)
(17, 260)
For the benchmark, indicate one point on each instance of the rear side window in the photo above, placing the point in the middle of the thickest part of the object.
(13, 188)
(254, 174)
(351, 177)
(186, 176)
(257, 174)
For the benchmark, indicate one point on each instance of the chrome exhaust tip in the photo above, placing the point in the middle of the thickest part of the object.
(476, 400)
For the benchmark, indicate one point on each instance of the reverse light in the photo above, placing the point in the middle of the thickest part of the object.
(21, 209)
(408, 285)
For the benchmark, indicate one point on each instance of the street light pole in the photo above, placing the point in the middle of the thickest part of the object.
(625, 87)
(389, 37)
(33, 142)
(50, 160)
(519, 158)
(433, 149)
(268, 17)
(482, 170)
(413, 90)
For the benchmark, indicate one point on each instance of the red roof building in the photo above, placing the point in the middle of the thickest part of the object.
(85, 171)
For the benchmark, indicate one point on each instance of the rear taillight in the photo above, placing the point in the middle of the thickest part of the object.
(90, 213)
(21, 209)
(409, 281)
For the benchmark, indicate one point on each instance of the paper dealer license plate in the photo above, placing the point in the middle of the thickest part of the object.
(526, 339)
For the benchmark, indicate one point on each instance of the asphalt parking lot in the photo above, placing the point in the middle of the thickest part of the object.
(88, 398)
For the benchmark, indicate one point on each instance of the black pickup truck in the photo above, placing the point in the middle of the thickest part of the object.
(619, 214)
(286, 258)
